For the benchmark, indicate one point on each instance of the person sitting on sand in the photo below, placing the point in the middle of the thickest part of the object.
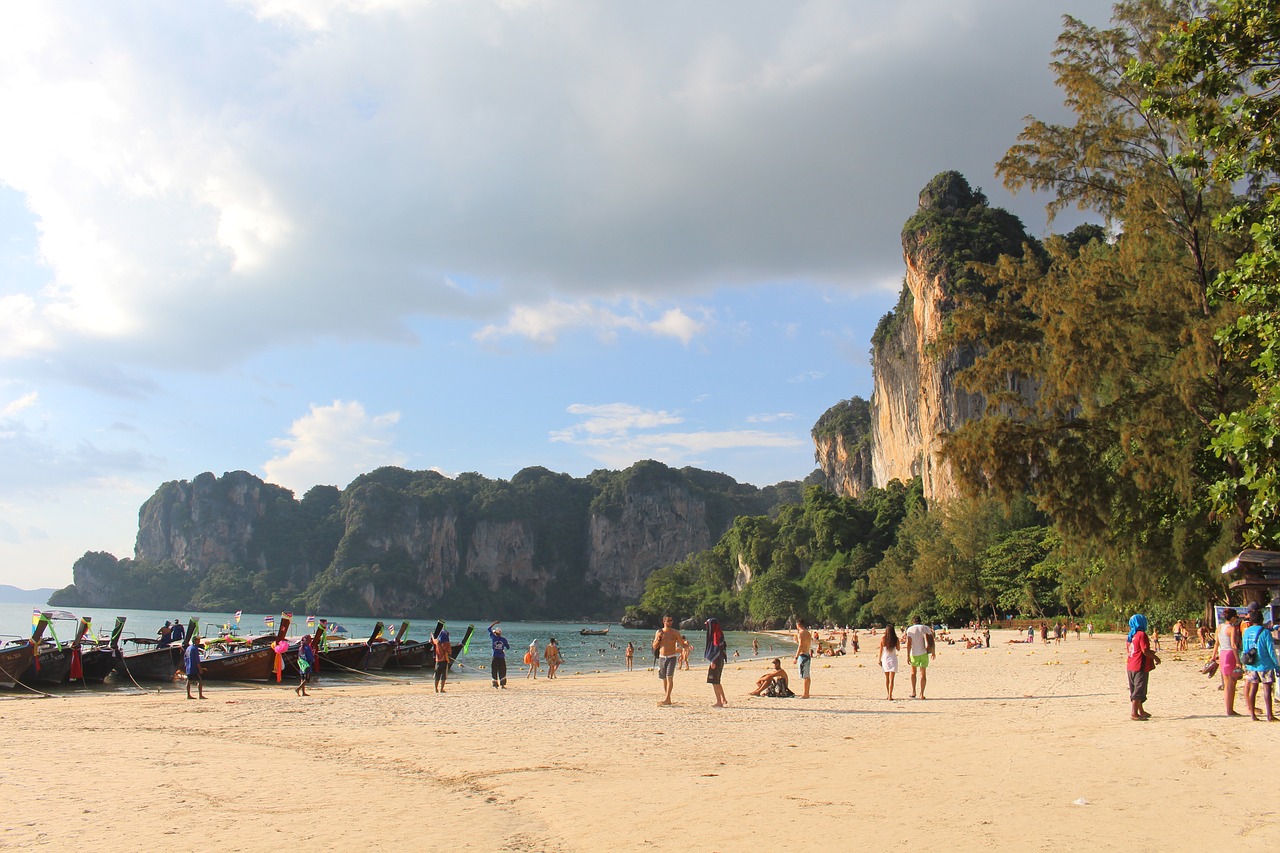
(776, 675)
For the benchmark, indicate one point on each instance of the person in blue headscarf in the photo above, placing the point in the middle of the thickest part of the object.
(716, 653)
(1142, 659)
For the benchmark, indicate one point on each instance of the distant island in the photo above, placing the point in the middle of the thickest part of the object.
(14, 595)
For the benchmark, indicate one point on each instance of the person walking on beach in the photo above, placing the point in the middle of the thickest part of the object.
(553, 657)
(1229, 657)
(531, 659)
(919, 641)
(191, 664)
(1257, 643)
(306, 664)
(716, 653)
(443, 652)
(804, 654)
(889, 659)
(631, 655)
(667, 645)
(498, 665)
(1142, 659)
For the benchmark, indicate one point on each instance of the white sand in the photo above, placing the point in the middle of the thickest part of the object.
(998, 758)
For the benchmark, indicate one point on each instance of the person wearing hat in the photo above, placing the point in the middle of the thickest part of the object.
(498, 666)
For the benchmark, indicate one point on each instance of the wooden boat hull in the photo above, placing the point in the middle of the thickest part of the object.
(151, 665)
(14, 661)
(255, 664)
(51, 665)
(96, 664)
(361, 657)
(410, 655)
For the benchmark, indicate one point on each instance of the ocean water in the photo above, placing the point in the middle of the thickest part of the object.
(581, 654)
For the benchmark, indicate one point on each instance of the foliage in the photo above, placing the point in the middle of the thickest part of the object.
(1097, 355)
(1221, 81)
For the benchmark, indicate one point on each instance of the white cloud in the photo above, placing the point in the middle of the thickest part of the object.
(332, 445)
(770, 417)
(26, 401)
(545, 324)
(210, 181)
(619, 434)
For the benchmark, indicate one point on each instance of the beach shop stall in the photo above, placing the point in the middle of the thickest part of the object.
(1255, 575)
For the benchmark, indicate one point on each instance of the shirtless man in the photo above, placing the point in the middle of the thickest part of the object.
(804, 653)
(667, 644)
(776, 674)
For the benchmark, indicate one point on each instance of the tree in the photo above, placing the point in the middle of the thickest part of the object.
(1099, 365)
(1223, 79)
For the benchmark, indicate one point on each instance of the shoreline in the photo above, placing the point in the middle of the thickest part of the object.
(1015, 746)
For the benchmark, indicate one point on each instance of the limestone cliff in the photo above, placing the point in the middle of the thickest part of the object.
(398, 542)
(916, 395)
(842, 438)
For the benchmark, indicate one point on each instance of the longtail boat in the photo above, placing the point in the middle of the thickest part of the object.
(151, 664)
(17, 655)
(409, 654)
(256, 663)
(52, 660)
(348, 655)
(96, 659)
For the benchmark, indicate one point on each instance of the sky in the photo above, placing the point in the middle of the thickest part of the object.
(308, 238)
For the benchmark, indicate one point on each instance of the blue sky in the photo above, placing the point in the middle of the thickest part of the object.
(305, 238)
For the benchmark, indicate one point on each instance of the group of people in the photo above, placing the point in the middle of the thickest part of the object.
(1247, 654)
(669, 644)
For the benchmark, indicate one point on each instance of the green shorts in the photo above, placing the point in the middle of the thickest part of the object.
(919, 661)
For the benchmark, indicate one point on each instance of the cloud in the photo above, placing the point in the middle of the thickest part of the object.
(12, 408)
(207, 182)
(547, 323)
(770, 417)
(36, 464)
(619, 434)
(332, 445)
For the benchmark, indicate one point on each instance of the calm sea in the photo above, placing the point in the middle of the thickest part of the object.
(581, 654)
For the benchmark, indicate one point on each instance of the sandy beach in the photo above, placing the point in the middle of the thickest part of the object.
(1016, 748)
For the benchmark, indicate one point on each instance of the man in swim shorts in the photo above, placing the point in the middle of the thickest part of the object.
(667, 643)
(804, 653)
(920, 649)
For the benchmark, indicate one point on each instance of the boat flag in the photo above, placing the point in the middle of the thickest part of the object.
(269, 621)
(35, 616)
(311, 621)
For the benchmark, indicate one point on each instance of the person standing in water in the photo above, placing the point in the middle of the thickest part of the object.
(716, 653)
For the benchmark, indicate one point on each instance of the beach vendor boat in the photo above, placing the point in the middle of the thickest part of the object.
(232, 662)
(347, 655)
(16, 655)
(51, 663)
(408, 654)
(594, 632)
(149, 664)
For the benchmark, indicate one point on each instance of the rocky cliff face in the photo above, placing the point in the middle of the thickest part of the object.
(654, 528)
(916, 397)
(399, 542)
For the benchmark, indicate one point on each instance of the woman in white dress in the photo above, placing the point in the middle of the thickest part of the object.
(889, 659)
